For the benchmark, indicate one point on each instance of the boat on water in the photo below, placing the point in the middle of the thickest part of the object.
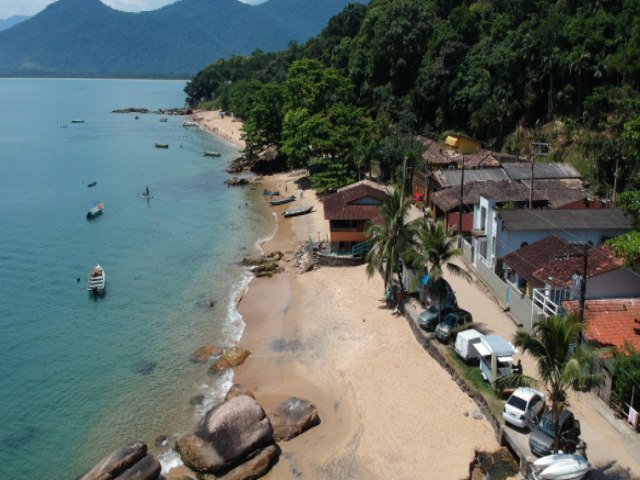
(92, 184)
(292, 212)
(560, 467)
(162, 145)
(95, 211)
(146, 193)
(282, 201)
(97, 280)
(270, 193)
(163, 119)
(211, 153)
(189, 123)
(77, 120)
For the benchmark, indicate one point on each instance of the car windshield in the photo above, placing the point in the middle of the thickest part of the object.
(517, 402)
(449, 320)
(546, 425)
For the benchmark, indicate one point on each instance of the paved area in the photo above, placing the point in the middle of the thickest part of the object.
(612, 447)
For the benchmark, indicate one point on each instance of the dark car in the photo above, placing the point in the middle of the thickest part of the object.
(542, 437)
(453, 323)
(432, 316)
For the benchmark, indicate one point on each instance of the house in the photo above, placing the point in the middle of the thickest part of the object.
(499, 232)
(349, 210)
(553, 194)
(462, 144)
(610, 322)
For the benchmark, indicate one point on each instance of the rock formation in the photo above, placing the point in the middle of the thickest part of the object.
(293, 417)
(230, 358)
(231, 434)
(205, 352)
(127, 463)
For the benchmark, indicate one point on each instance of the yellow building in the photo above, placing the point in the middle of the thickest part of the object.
(461, 144)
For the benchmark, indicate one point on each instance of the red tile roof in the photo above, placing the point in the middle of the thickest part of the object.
(531, 258)
(558, 273)
(610, 322)
(341, 205)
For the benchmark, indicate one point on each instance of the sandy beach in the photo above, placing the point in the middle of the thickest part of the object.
(387, 409)
(226, 127)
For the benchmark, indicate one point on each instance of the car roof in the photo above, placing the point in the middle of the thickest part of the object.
(459, 313)
(526, 393)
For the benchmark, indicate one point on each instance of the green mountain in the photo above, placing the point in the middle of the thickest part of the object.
(85, 38)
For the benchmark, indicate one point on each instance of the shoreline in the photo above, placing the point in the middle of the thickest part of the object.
(225, 127)
(386, 408)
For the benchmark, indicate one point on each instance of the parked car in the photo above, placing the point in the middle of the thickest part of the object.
(542, 437)
(465, 345)
(432, 316)
(453, 323)
(523, 404)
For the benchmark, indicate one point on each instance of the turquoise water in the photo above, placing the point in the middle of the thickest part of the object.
(79, 375)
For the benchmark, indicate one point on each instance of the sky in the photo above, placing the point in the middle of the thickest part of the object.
(9, 8)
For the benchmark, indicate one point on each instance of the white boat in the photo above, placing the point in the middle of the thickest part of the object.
(560, 467)
(189, 123)
(97, 280)
(95, 211)
(292, 212)
(211, 153)
(77, 120)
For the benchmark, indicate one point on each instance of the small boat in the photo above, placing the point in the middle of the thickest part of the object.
(282, 201)
(92, 184)
(97, 280)
(95, 211)
(162, 145)
(77, 120)
(560, 467)
(292, 212)
(211, 153)
(163, 119)
(189, 123)
(270, 193)
(146, 194)
(136, 117)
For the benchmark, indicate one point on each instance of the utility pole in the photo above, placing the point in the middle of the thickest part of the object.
(461, 201)
(541, 149)
(583, 281)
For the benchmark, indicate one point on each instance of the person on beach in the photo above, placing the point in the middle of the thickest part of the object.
(517, 368)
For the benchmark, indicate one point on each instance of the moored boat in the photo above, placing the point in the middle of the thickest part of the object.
(95, 211)
(270, 193)
(211, 153)
(292, 212)
(77, 120)
(162, 145)
(92, 184)
(163, 119)
(97, 280)
(282, 201)
(189, 123)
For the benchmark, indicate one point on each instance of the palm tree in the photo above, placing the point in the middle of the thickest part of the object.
(560, 369)
(390, 242)
(434, 250)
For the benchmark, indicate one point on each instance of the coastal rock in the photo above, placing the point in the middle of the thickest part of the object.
(196, 400)
(267, 269)
(228, 435)
(161, 440)
(254, 467)
(205, 352)
(131, 110)
(118, 462)
(237, 391)
(230, 358)
(148, 468)
(293, 417)
(235, 181)
(254, 261)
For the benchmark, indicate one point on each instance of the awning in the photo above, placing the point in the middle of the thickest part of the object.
(505, 359)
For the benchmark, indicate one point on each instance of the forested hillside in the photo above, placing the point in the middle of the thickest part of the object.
(85, 38)
(506, 72)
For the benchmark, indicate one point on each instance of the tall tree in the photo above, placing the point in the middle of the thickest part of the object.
(391, 241)
(561, 367)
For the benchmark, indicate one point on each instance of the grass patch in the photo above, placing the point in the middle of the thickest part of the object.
(472, 376)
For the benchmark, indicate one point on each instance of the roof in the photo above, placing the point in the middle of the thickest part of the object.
(498, 345)
(610, 322)
(343, 205)
(522, 171)
(452, 178)
(569, 219)
(526, 260)
(481, 158)
(435, 153)
(558, 273)
(367, 182)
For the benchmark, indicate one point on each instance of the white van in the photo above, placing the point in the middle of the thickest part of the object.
(465, 342)
(496, 357)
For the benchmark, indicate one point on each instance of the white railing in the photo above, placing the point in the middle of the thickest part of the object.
(542, 304)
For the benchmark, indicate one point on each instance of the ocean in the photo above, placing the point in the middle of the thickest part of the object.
(80, 376)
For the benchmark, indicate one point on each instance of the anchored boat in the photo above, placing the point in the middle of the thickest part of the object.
(292, 212)
(95, 211)
(282, 201)
(97, 280)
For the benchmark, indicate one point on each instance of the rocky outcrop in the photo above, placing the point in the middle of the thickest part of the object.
(127, 463)
(253, 261)
(230, 358)
(228, 436)
(237, 391)
(239, 164)
(254, 467)
(236, 181)
(131, 110)
(205, 352)
(293, 417)
(266, 265)
(267, 269)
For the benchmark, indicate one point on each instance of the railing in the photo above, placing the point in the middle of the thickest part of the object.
(357, 250)
(543, 304)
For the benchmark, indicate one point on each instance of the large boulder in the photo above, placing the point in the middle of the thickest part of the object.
(228, 435)
(205, 352)
(254, 467)
(230, 358)
(128, 462)
(293, 417)
(237, 391)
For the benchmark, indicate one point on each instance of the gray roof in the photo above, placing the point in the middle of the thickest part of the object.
(522, 171)
(452, 178)
(570, 219)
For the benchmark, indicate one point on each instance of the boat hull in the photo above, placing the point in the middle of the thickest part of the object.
(297, 211)
(282, 201)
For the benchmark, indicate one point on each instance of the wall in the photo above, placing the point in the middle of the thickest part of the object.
(620, 283)
(339, 261)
